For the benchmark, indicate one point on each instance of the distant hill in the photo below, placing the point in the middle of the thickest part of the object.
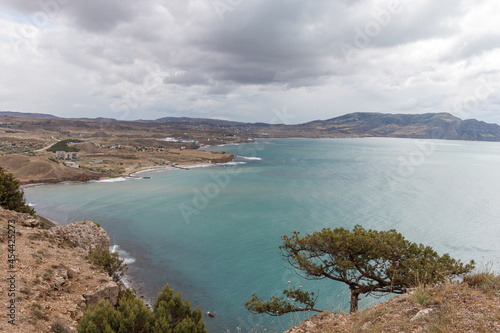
(428, 126)
(360, 124)
(365, 124)
(23, 114)
(199, 121)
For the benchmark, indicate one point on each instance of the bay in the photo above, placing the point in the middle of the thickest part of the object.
(213, 233)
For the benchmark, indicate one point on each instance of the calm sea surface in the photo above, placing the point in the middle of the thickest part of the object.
(213, 233)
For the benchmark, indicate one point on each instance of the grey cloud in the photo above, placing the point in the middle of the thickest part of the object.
(220, 89)
(402, 22)
(293, 42)
(91, 15)
(477, 45)
(186, 79)
(25, 7)
(265, 43)
(102, 15)
(179, 9)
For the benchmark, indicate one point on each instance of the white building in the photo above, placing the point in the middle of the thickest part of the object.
(63, 155)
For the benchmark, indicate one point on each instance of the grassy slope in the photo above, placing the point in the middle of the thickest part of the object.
(451, 307)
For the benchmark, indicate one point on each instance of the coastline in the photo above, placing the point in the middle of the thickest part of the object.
(133, 173)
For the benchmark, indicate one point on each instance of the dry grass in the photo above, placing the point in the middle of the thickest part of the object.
(471, 306)
(421, 295)
(485, 281)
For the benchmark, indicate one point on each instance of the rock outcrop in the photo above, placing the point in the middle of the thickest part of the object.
(86, 235)
(108, 291)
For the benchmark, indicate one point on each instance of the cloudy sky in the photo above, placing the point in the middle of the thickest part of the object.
(274, 61)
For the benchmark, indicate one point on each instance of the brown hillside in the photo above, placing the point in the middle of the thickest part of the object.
(31, 169)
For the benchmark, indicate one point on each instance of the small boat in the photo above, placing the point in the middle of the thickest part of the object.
(211, 314)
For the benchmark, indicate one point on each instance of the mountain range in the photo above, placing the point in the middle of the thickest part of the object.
(360, 124)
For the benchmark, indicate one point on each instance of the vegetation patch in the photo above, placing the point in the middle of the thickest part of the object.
(59, 327)
(420, 295)
(38, 312)
(11, 196)
(170, 314)
(109, 261)
(63, 146)
(485, 281)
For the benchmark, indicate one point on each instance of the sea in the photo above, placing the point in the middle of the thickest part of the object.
(214, 232)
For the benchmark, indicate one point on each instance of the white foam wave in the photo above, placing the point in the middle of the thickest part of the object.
(198, 166)
(112, 180)
(127, 257)
(232, 163)
(250, 158)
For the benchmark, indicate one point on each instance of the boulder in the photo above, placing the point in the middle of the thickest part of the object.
(61, 279)
(422, 314)
(31, 222)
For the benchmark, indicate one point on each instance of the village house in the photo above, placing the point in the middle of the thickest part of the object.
(63, 155)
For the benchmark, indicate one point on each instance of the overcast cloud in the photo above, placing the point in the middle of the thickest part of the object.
(279, 61)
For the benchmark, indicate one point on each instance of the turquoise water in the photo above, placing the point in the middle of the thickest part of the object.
(214, 232)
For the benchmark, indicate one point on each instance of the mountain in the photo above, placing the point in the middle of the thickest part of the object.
(360, 124)
(424, 126)
(363, 124)
(22, 114)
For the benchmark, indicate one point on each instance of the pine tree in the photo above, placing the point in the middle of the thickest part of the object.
(368, 261)
(170, 315)
(11, 196)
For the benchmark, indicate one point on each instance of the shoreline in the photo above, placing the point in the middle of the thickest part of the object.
(129, 173)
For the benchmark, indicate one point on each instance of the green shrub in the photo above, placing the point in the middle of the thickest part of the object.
(11, 196)
(63, 146)
(99, 318)
(109, 261)
(170, 314)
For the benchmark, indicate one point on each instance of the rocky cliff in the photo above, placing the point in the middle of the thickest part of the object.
(50, 283)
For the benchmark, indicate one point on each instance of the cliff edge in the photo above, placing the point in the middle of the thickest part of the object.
(47, 282)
